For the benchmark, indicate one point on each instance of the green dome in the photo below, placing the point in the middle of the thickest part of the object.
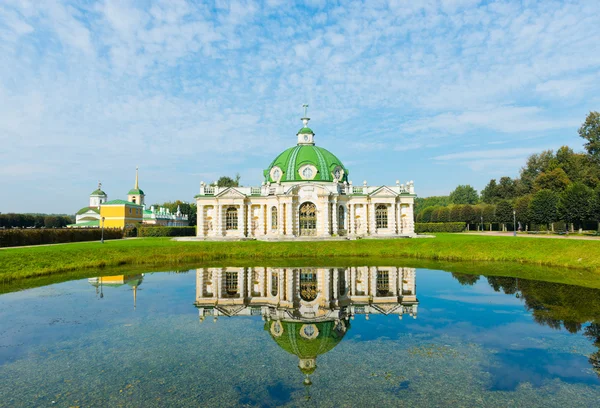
(292, 159)
(135, 191)
(86, 209)
(306, 130)
(329, 335)
(98, 192)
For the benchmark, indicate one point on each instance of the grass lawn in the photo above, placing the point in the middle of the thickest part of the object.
(16, 263)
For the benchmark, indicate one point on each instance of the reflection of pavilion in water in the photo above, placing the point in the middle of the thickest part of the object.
(307, 311)
(100, 282)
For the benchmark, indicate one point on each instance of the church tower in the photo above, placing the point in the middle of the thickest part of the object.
(136, 195)
(98, 197)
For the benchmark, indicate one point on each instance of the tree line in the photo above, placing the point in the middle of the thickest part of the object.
(14, 220)
(552, 187)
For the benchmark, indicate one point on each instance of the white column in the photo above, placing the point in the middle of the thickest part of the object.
(325, 228)
(336, 285)
(410, 221)
(269, 221)
(200, 221)
(289, 230)
(250, 220)
(280, 218)
(241, 221)
(334, 219)
(392, 213)
(399, 217)
(242, 283)
(199, 284)
(371, 219)
(219, 224)
(262, 222)
(351, 219)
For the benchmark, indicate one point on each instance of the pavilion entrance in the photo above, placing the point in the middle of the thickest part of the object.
(308, 219)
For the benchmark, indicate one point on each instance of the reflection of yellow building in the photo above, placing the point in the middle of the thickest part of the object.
(307, 311)
(101, 282)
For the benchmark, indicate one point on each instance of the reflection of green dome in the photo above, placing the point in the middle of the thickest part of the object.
(292, 341)
(292, 159)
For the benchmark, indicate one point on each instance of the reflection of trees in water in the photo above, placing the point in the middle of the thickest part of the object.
(465, 278)
(554, 305)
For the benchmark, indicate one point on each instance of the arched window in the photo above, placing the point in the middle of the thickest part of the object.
(308, 285)
(273, 217)
(308, 219)
(341, 217)
(381, 216)
(231, 218)
(274, 284)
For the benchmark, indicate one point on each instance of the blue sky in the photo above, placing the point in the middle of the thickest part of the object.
(439, 92)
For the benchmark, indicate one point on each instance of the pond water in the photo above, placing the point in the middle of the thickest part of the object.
(359, 336)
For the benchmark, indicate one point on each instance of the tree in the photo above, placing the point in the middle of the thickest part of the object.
(434, 214)
(465, 278)
(595, 206)
(464, 194)
(490, 193)
(536, 164)
(543, 208)
(521, 207)
(426, 214)
(507, 188)
(504, 213)
(456, 213)
(555, 180)
(575, 204)
(468, 214)
(590, 131)
(225, 181)
(488, 212)
(443, 214)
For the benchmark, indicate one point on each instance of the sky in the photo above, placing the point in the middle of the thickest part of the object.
(442, 92)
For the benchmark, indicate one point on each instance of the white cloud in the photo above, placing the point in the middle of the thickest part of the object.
(88, 88)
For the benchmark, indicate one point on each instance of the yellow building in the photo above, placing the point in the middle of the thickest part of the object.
(120, 213)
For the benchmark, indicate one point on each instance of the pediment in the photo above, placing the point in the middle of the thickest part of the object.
(230, 310)
(386, 308)
(231, 192)
(383, 191)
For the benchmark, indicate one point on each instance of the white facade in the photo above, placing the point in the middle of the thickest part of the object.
(312, 209)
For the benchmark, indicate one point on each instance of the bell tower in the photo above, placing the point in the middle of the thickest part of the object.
(136, 195)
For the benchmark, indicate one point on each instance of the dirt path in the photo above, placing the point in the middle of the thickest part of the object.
(540, 235)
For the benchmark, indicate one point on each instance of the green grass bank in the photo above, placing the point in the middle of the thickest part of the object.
(18, 263)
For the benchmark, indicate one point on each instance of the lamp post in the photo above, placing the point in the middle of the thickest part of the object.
(102, 236)
(514, 223)
(482, 223)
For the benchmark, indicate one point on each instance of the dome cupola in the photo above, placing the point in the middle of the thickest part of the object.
(306, 162)
(98, 196)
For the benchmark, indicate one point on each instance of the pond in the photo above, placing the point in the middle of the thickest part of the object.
(322, 336)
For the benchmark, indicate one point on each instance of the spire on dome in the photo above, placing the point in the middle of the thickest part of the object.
(305, 119)
(136, 178)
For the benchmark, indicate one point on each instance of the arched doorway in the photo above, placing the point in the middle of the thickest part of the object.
(308, 219)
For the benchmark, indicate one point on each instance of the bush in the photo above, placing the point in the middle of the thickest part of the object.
(20, 237)
(421, 227)
(157, 231)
